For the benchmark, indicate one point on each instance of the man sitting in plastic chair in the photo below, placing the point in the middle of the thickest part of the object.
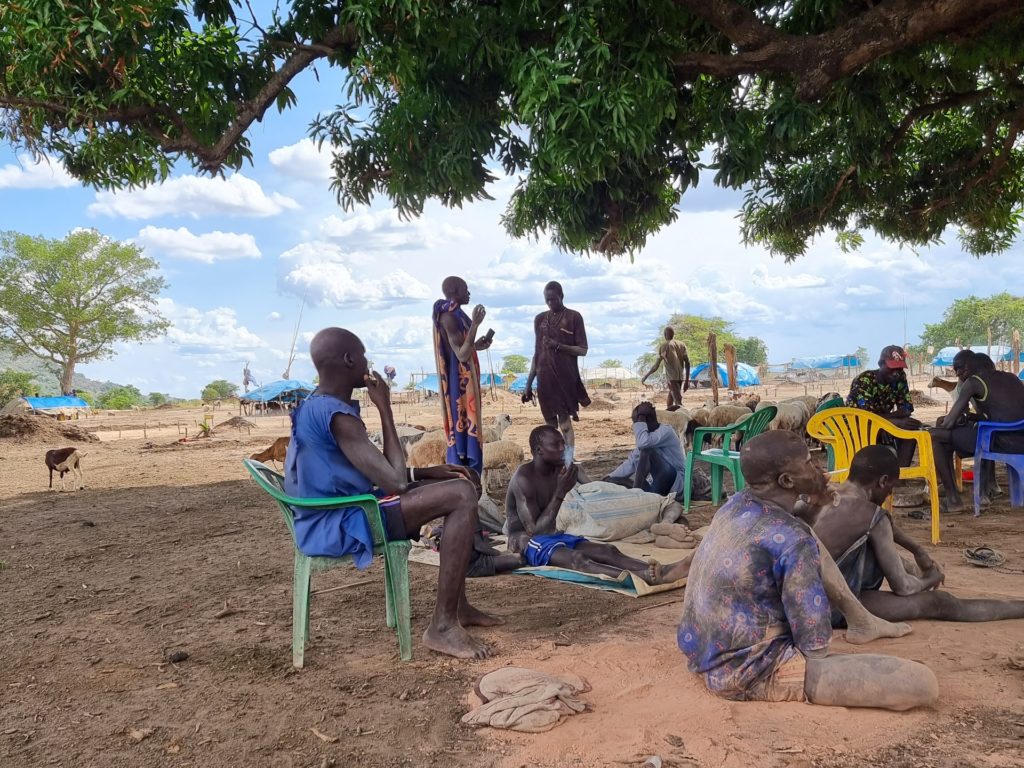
(331, 455)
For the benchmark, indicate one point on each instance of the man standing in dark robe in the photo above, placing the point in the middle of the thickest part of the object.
(560, 340)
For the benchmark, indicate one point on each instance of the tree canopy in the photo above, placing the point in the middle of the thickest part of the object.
(15, 384)
(221, 388)
(841, 116)
(693, 331)
(68, 301)
(120, 398)
(515, 364)
(967, 322)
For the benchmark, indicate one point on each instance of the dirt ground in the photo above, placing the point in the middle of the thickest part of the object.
(171, 547)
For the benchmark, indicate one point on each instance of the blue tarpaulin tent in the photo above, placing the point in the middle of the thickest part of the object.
(747, 374)
(53, 403)
(825, 361)
(429, 384)
(285, 390)
(1000, 352)
(486, 379)
(519, 384)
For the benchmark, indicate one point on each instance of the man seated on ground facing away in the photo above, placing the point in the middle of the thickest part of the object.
(885, 392)
(865, 544)
(535, 494)
(331, 455)
(756, 621)
(996, 396)
(657, 464)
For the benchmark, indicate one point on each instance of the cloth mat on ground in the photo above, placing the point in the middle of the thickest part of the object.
(626, 584)
(520, 699)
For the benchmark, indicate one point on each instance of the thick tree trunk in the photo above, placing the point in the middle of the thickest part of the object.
(66, 376)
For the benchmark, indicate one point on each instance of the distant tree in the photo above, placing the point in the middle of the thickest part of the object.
(218, 390)
(89, 398)
(515, 364)
(68, 301)
(120, 398)
(967, 321)
(643, 365)
(157, 398)
(612, 363)
(752, 351)
(15, 384)
(693, 331)
(862, 355)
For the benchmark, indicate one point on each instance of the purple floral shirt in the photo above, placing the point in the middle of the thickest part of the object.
(754, 595)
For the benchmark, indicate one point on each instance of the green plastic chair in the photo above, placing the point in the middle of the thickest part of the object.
(835, 402)
(724, 457)
(396, 562)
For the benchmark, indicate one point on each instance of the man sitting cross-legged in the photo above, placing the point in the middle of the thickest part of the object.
(331, 455)
(535, 494)
(756, 619)
(865, 543)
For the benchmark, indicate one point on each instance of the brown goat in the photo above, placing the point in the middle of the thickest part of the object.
(65, 460)
(275, 452)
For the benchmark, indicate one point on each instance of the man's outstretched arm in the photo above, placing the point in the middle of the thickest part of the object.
(888, 556)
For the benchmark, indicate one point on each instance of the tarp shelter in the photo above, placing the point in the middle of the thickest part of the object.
(608, 374)
(429, 384)
(826, 362)
(519, 384)
(999, 353)
(283, 391)
(747, 374)
(47, 405)
(486, 379)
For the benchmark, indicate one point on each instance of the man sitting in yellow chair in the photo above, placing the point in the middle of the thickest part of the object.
(884, 391)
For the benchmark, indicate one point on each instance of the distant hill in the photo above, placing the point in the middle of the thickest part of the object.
(46, 375)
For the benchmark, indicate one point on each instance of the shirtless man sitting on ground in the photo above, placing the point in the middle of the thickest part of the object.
(756, 621)
(535, 494)
(865, 544)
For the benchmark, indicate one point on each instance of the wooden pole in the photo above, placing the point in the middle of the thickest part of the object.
(1015, 351)
(730, 367)
(713, 365)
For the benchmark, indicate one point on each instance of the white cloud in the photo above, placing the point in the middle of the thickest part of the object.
(863, 290)
(386, 231)
(322, 273)
(32, 174)
(210, 334)
(302, 160)
(193, 196)
(274, 316)
(207, 248)
(760, 277)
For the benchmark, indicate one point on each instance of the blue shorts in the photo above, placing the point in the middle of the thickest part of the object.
(540, 548)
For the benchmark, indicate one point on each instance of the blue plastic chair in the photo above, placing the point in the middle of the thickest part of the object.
(1014, 461)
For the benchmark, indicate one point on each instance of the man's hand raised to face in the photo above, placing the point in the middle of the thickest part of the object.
(378, 390)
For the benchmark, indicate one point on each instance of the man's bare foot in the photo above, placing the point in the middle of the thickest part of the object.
(455, 641)
(473, 617)
(680, 569)
(876, 630)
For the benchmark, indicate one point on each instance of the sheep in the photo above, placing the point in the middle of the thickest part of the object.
(809, 401)
(429, 451)
(276, 452)
(724, 415)
(65, 460)
(678, 419)
(792, 415)
(493, 433)
(764, 404)
(502, 453)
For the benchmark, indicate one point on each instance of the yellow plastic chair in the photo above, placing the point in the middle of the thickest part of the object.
(847, 430)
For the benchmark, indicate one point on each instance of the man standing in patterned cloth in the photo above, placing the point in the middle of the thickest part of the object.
(885, 392)
(560, 340)
(458, 372)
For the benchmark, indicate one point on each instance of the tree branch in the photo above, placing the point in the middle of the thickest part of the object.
(816, 61)
(924, 110)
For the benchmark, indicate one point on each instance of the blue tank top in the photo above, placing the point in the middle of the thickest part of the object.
(315, 468)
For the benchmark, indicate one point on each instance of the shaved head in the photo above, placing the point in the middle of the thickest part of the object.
(335, 350)
(770, 454)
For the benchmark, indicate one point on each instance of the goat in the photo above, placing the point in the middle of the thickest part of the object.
(276, 451)
(65, 460)
(949, 386)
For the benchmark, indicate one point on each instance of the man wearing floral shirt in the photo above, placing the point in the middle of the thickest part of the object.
(885, 391)
(756, 620)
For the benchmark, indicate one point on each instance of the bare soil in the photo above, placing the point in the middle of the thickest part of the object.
(172, 548)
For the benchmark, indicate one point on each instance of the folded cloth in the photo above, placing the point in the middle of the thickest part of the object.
(520, 699)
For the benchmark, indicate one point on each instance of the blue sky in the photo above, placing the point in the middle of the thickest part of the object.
(240, 253)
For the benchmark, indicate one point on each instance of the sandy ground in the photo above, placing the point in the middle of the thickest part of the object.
(99, 583)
